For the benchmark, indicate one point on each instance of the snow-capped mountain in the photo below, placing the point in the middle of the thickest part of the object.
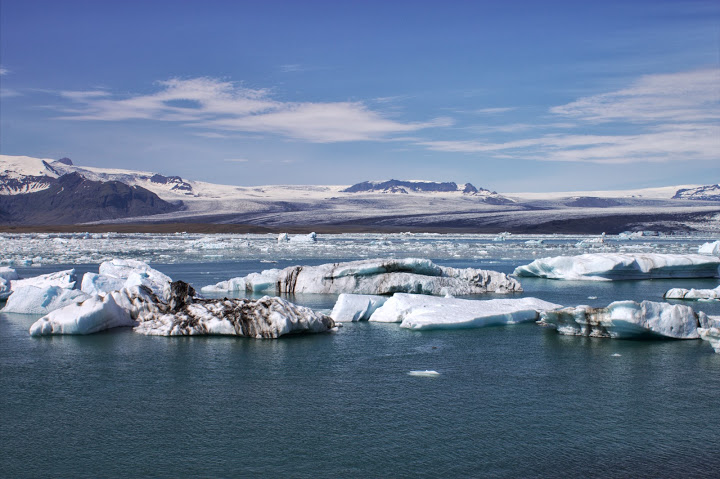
(705, 193)
(392, 205)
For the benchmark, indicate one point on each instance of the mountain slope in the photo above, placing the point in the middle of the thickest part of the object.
(72, 199)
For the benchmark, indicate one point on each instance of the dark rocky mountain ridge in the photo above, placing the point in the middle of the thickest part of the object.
(73, 199)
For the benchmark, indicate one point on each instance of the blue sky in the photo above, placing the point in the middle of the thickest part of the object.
(511, 96)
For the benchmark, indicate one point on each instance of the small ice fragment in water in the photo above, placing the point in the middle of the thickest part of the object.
(592, 297)
(425, 373)
(616, 355)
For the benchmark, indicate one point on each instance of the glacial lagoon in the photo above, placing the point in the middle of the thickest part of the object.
(507, 401)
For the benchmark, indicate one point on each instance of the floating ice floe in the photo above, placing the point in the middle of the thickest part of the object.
(712, 335)
(266, 317)
(309, 238)
(283, 237)
(628, 319)
(617, 266)
(97, 313)
(427, 373)
(63, 279)
(694, 294)
(425, 312)
(710, 248)
(377, 276)
(356, 307)
(6, 276)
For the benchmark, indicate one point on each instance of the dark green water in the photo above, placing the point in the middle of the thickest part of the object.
(515, 401)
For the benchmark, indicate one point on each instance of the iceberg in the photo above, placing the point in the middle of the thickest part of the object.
(309, 238)
(377, 276)
(710, 248)
(124, 273)
(628, 320)
(618, 266)
(425, 312)
(356, 307)
(66, 279)
(37, 300)
(693, 294)
(267, 317)
(712, 335)
(283, 238)
(96, 313)
(6, 276)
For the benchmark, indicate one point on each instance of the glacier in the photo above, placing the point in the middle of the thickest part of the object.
(377, 276)
(628, 320)
(693, 294)
(356, 307)
(426, 312)
(618, 266)
(264, 318)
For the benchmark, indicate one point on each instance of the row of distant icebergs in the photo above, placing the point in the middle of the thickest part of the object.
(130, 293)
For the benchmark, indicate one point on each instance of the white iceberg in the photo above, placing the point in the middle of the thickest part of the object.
(66, 279)
(618, 266)
(377, 276)
(283, 238)
(426, 312)
(267, 317)
(694, 294)
(35, 300)
(124, 273)
(628, 319)
(712, 335)
(309, 238)
(6, 276)
(98, 313)
(356, 307)
(710, 248)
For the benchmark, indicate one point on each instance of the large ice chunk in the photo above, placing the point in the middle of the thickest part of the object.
(66, 279)
(35, 300)
(616, 266)
(377, 276)
(425, 312)
(98, 313)
(266, 317)
(712, 335)
(356, 307)
(694, 294)
(124, 273)
(6, 276)
(710, 248)
(628, 319)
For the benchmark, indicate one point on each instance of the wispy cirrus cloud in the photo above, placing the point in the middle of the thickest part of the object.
(223, 106)
(664, 117)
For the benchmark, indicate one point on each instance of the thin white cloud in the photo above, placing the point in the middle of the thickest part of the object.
(236, 160)
(665, 117)
(9, 93)
(4, 71)
(492, 111)
(217, 105)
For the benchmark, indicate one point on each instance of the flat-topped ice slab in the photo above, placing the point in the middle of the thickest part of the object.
(627, 320)
(694, 294)
(378, 276)
(426, 312)
(619, 266)
(356, 307)
(44, 293)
